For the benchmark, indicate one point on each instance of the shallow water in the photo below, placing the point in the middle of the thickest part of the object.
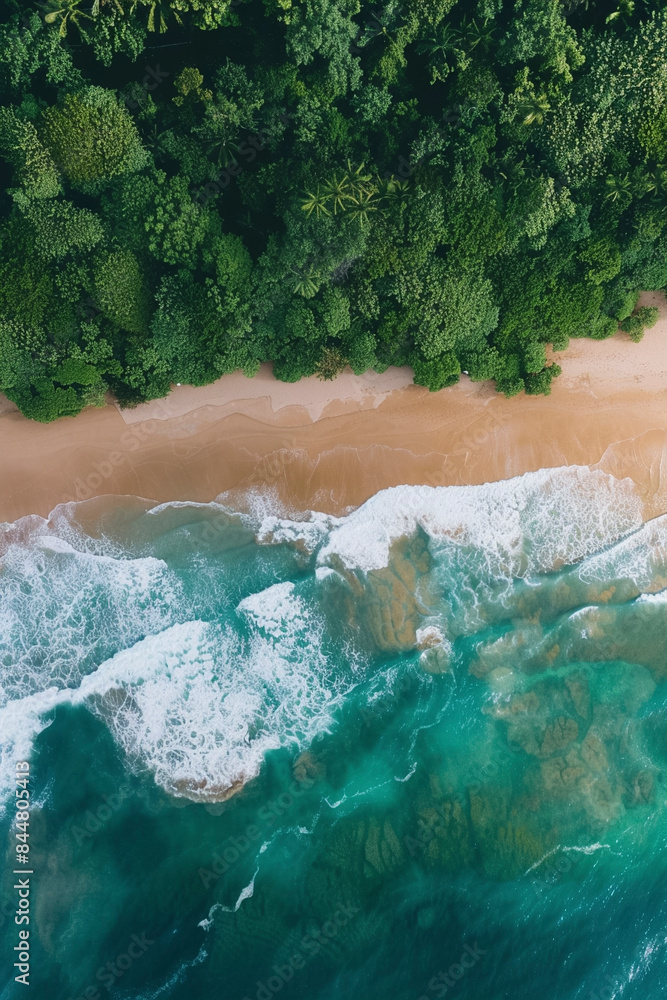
(419, 751)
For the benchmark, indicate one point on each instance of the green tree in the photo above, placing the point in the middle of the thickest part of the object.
(206, 14)
(176, 225)
(539, 31)
(29, 47)
(437, 373)
(453, 310)
(324, 28)
(539, 383)
(316, 203)
(120, 290)
(26, 289)
(34, 166)
(92, 139)
(330, 364)
(60, 230)
(603, 259)
(634, 326)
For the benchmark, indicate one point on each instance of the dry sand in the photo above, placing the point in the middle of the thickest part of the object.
(331, 445)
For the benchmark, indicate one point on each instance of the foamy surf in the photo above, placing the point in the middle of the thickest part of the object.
(525, 525)
(198, 685)
(445, 710)
(201, 707)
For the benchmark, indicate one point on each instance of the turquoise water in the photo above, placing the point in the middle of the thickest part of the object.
(414, 752)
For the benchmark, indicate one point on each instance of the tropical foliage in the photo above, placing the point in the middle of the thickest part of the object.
(191, 187)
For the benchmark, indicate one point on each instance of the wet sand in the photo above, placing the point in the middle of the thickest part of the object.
(331, 445)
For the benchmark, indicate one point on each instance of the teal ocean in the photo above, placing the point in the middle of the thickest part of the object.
(418, 751)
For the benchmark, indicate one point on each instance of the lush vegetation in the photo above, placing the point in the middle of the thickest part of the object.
(191, 187)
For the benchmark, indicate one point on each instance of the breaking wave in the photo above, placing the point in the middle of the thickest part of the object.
(210, 637)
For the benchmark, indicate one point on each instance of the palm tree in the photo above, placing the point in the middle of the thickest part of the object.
(513, 171)
(363, 207)
(644, 181)
(247, 222)
(382, 24)
(316, 203)
(305, 282)
(339, 191)
(360, 181)
(439, 47)
(100, 3)
(396, 193)
(442, 43)
(536, 106)
(625, 10)
(619, 189)
(226, 151)
(355, 188)
(152, 140)
(68, 12)
(473, 34)
(156, 7)
(650, 178)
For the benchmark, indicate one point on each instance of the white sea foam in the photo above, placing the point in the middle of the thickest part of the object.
(640, 558)
(246, 893)
(63, 610)
(589, 849)
(274, 610)
(482, 537)
(194, 705)
(309, 533)
(200, 707)
(194, 702)
(51, 543)
(20, 722)
(525, 525)
(200, 703)
(659, 598)
(585, 849)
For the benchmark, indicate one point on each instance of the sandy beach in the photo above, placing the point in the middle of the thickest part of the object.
(331, 445)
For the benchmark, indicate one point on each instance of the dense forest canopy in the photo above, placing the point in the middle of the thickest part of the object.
(191, 187)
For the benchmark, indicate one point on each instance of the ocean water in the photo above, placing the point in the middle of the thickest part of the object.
(413, 752)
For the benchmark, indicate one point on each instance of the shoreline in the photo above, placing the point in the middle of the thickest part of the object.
(346, 440)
